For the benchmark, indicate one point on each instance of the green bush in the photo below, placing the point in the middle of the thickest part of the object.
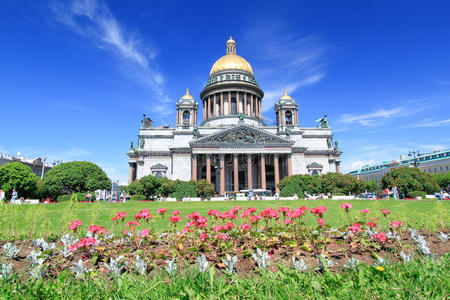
(410, 180)
(291, 189)
(185, 189)
(415, 194)
(78, 197)
(138, 198)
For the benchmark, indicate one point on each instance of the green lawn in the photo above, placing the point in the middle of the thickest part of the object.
(43, 220)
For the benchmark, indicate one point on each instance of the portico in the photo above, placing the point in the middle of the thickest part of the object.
(241, 157)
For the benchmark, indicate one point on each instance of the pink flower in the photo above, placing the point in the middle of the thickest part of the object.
(145, 232)
(203, 236)
(269, 212)
(217, 228)
(245, 227)
(385, 212)
(84, 242)
(222, 236)
(120, 216)
(74, 225)
(287, 221)
(355, 228)
(396, 224)
(321, 221)
(175, 212)
(132, 223)
(284, 210)
(98, 229)
(174, 219)
(346, 205)
(381, 236)
(248, 212)
(161, 211)
(364, 211)
(255, 219)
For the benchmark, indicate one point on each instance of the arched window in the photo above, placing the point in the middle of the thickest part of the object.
(288, 116)
(186, 117)
(315, 172)
(233, 106)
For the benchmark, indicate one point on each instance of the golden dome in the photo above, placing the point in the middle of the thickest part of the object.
(187, 96)
(231, 61)
(285, 96)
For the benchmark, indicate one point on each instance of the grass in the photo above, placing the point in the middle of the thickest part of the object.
(415, 280)
(28, 221)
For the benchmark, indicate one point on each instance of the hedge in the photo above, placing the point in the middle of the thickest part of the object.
(415, 194)
(138, 198)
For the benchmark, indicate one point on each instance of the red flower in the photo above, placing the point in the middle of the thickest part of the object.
(120, 216)
(174, 219)
(371, 224)
(385, 212)
(203, 236)
(320, 210)
(355, 228)
(255, 219)
(161, 211)
(284, 210)
(287, 221)
(381, 236)
(98, 229)
(269, 212)
(84, 242)
(364, 211)
(175, 212)
(145, 232)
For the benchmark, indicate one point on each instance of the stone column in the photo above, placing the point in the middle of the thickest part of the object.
(251, 105)
(277, 172)
(338, 167)
(263, 172)
(235, 173)
(245, 103)
(208, 113)
(194, 167)
(131, 176)
(289, 163)
(208, 168)
(296, 117)
(215, 106)
(222, 111)
(178, 117)
(229, 103)
(204, 109)
(238, 103)
(249, 172)
(222, 175)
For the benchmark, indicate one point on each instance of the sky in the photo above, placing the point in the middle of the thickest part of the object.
(76, 76)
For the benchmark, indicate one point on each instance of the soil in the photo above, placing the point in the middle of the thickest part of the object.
(187, 251)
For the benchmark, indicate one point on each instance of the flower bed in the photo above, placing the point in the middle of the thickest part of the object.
(239, 240)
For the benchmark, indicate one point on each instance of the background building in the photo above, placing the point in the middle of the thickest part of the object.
(437, 162)
(37, 165)
(233, 147)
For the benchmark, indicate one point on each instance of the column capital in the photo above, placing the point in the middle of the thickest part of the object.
(276, 155)
(235, 155)
(249, 156)
(221, 156)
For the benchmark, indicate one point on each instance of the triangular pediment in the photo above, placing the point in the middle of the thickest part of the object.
(241, 135)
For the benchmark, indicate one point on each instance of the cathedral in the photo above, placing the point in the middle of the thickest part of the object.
(233, 147)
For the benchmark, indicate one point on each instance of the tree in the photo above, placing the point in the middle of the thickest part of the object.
(75, 176)
(205, 189)
(185, 189)
(291, 189)
(135, 188)
(20, 177)
(371, 186)
(443, 180)
(150, 185)
(167, 186)
(409, 179)
(307, 183)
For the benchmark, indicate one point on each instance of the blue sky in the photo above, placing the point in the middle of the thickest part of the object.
(76, 76)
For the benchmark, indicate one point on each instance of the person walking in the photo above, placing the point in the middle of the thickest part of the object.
(2, 196)
(14, 196)
(395, 192)
(386, 193)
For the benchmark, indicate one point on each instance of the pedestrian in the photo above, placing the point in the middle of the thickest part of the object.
(386, 193)
(395, 192)
(14, 196)
(2, 196)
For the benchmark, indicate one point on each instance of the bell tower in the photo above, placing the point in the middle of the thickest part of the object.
(287, 112)
(187, 111)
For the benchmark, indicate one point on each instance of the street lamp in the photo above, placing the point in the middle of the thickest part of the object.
(415, 155)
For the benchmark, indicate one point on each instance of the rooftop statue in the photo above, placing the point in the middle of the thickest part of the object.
(323, 122)
(146, 122)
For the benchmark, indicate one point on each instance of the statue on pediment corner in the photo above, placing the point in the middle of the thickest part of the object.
(146, 122)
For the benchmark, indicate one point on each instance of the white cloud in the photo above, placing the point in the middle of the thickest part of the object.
(370, 119)
(429, 123)
(92, 20)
